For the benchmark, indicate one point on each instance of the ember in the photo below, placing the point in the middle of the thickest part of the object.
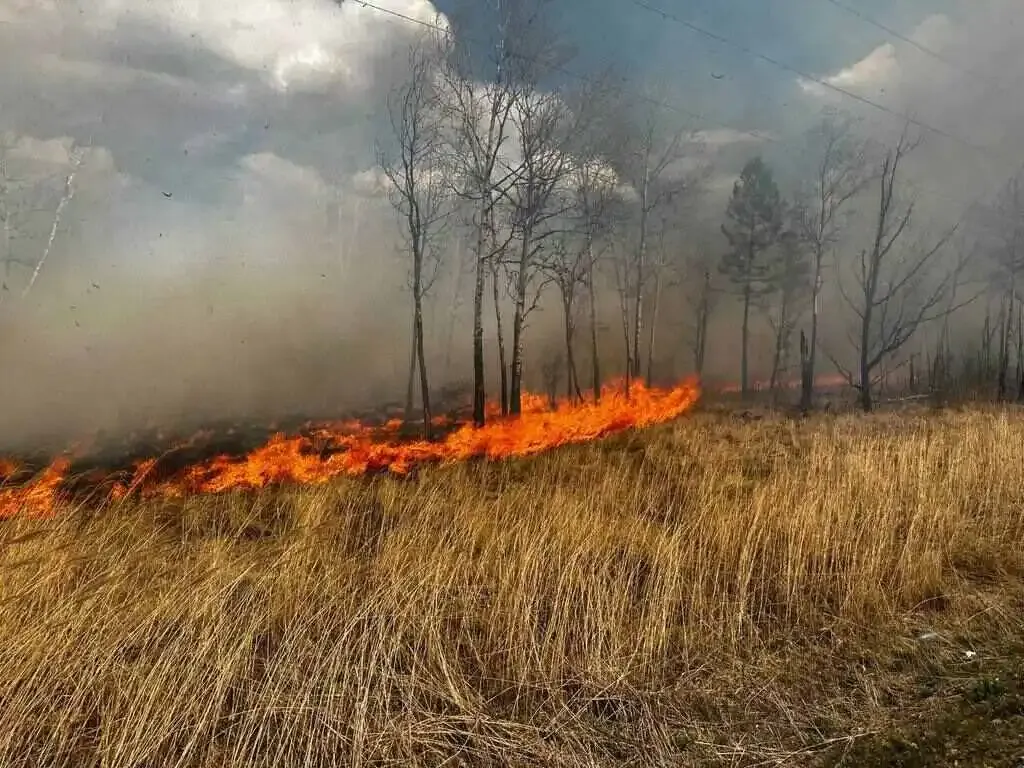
(333, 449)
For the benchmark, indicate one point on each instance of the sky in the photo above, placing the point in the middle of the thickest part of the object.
(224, 154)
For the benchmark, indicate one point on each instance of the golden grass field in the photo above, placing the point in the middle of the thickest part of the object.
(712, 592)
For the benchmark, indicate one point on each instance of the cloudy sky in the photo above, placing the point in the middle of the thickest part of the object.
(223, 152)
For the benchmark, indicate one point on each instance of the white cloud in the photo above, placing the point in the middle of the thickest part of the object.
(877, 67)
(62, 152)
(269, 170)
(370, 181)
(716, 138)
(298, 44)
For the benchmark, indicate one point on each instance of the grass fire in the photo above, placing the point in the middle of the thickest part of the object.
(512, 384)
(708, 591)
(333, 450)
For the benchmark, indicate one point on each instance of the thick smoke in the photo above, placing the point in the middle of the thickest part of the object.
(226, 253)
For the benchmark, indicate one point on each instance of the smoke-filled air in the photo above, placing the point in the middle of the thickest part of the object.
(511, 382)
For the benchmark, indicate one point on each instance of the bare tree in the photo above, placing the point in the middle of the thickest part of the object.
(657, 268)
(1000, 234)
(418, 193)
(789, 283)
(898, 289)
(566, 265)
(842, 172)
(649, 165)
(538, 209)
(700, 294)
(595, 198)
(581, 239)
(479, 107)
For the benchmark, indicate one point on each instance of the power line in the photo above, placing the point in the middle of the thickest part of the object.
(672, 107)
(994, 86)
(908, 40)
(800, 73)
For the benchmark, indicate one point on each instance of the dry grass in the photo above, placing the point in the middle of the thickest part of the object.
(745, 593)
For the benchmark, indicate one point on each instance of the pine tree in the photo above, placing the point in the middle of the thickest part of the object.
(754, 218)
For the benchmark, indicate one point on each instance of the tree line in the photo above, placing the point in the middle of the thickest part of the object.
(562, 185)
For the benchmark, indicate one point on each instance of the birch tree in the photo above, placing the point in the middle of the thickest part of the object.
(538, 207)
(479, 107)
(417, 190)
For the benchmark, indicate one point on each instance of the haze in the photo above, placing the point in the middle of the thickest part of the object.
(227, 251)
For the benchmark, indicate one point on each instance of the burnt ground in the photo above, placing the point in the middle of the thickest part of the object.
(111, 458)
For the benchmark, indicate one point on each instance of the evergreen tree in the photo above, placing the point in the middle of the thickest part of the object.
(754, 218)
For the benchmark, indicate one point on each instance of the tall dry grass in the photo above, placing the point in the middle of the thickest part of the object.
(630, 602)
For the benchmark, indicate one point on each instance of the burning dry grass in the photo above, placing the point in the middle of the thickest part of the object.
(710, 590)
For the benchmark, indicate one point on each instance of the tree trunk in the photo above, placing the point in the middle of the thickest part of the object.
(651, 336)
(479, 386)
(516, 399)
(866, 402)
(421, 354)
(781, 342)
(638, 296)
(500, 333)
(624, 307)
(806, 385)
(411, 379)
(1020, 355)
(595, 363)
(807, 361)
(572, 380)
(744, 343)
(1006, 316)
(703, 311)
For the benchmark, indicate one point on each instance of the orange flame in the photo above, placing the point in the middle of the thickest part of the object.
(358, 449)
(39, 498)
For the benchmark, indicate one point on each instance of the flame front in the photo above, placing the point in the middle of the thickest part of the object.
(356, 449)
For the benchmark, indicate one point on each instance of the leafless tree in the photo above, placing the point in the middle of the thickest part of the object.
(657, 269)
(418, 192)
(594, 199)
(579, 244)
(566, 265)
(538, 205)
(842, 172)
(701, 295)
(790, 282)
(899, 288)
(649, 164)
(1000, 235)
(479, 108)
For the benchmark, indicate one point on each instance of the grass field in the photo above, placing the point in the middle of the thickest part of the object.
(842, 590)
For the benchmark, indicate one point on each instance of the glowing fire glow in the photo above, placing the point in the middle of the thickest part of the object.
(356, 449)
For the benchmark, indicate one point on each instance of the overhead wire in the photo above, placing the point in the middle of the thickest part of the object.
(673, 107)
(906, 39)
(669, 16)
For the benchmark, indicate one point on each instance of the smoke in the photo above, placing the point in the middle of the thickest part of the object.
(227, 252)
